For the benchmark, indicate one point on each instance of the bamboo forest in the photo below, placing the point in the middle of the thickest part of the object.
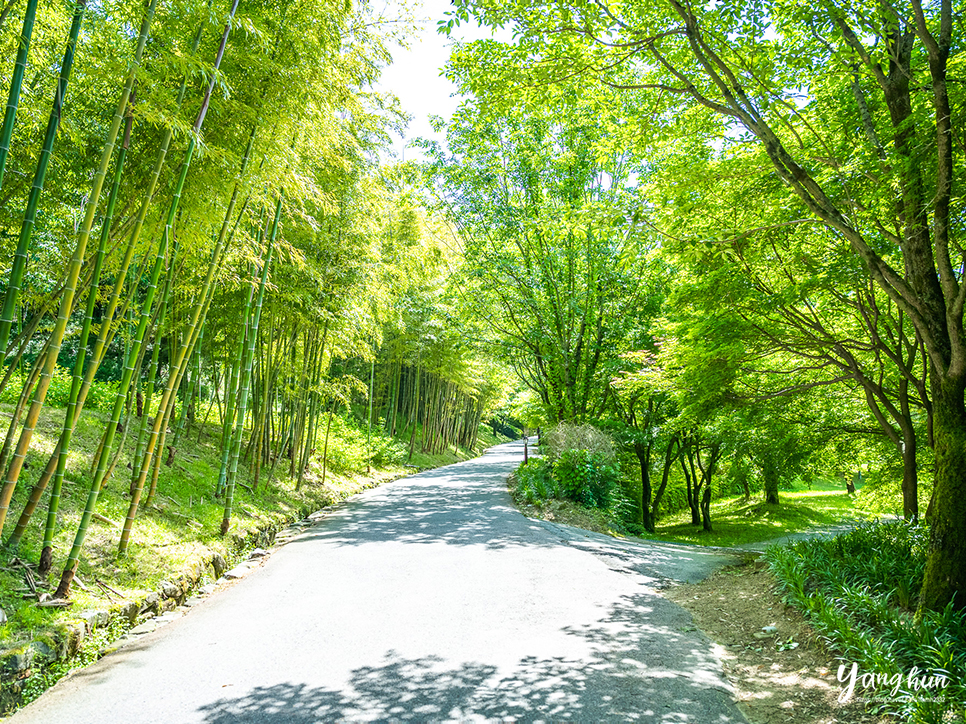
(700, 265)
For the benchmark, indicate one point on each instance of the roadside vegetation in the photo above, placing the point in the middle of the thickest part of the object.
(860, 591)
(576, 476)
(714, 251)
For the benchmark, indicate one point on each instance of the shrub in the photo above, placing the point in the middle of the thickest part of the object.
(858, 589)
(580, 464)
(565, 436)
(587, 477)
(535, 481)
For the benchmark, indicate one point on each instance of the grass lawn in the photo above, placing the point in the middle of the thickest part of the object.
(736, 521)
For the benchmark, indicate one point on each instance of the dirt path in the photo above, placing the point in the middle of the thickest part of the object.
(785, 677)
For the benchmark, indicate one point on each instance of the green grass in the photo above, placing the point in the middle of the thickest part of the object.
(735, 520)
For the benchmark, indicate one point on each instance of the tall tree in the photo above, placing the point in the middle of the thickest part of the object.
(887, 189)
(540, 204)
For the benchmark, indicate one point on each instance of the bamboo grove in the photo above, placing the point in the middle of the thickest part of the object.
(254, 267)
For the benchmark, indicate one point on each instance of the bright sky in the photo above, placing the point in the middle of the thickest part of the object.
(415, 74)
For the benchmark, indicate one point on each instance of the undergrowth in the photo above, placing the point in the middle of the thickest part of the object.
(90, 651)
(860, 590)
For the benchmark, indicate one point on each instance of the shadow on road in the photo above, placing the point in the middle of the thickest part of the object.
(626, 682)
(463, 504)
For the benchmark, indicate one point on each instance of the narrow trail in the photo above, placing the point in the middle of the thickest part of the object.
(427, 599)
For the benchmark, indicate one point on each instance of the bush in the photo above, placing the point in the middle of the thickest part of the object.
(565, 436)
(587, 477)
(535, 481)
(859, 590)
(580, 465)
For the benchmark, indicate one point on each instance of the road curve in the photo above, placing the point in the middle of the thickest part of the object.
(427, 599)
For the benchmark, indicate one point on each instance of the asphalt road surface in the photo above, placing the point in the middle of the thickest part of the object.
(427, 599)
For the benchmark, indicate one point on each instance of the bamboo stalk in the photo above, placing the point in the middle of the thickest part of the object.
(26, 230)
(247, 365)
(28, 386)
(16, 81)
(107, 329)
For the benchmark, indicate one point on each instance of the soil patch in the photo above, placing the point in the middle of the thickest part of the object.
(784, 676)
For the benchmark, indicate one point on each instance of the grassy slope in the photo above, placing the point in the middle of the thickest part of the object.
(182, 522)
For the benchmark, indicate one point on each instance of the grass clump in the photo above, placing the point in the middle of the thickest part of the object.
(860, 590)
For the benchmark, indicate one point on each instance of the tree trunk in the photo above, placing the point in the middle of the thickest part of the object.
(692, 484)
(670, 456)
(770, 474)
(706, 507)
(644, 516)
(945, 576)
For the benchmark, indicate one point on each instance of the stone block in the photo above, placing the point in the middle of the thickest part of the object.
(42, 652)
(150, 602)
(74, 634)
(16, 660)
(144, 628)
(94, 619)
(239, 571)
(129, 610)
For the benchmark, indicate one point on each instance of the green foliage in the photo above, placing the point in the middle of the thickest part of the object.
(347, 446)
(567, 436)
(587, 477)
(535, 481)
(100, 396)
(859, 589)
(552, 262)
(580, 465)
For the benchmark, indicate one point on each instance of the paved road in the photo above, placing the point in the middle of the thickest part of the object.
(427, 599)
